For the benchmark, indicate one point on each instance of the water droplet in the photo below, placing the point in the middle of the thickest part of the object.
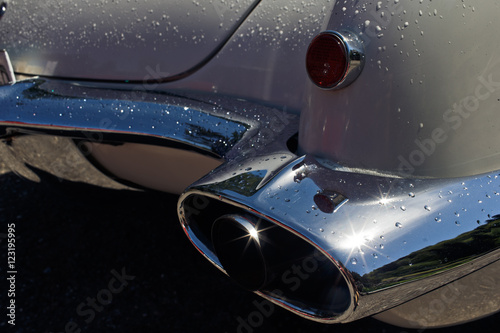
(438, 220)
(287, 200)
(403, 208)
(398, 225)
(381, 246)
(375, 255)
(427, 208)
(321, 229)
(411, 195)
(354, 261)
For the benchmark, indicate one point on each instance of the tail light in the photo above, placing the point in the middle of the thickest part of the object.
(334, 60)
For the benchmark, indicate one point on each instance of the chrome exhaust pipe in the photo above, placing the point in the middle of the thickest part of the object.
(263, 257)
(334, 245)
(238, 246)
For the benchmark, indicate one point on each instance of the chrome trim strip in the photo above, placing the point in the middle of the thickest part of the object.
(99, 115)
(214, 126)
(355, 57)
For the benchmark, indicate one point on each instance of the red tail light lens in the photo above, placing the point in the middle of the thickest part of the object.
(334, 59)
(326, 60)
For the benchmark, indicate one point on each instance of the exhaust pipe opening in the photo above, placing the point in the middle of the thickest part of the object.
(237, 245)
(268, 258)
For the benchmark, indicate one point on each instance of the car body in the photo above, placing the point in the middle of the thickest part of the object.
(375, 194)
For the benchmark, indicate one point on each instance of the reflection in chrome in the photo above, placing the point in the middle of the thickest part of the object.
(327, 243)
(70, 109)
(237, 245)
(391, 241)
(121, 115)
(3, 8)
(6, 72)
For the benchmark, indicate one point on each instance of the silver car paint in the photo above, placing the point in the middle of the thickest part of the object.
(265, 59)
(427, 101)
(117, 40)
(262, 61)
(409, 90)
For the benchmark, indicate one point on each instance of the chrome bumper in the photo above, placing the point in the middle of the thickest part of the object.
(209, 126)
(40, 106)
(373, 242)
(380, 241)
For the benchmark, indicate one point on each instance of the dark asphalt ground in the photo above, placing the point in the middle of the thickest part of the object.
(72, 240)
